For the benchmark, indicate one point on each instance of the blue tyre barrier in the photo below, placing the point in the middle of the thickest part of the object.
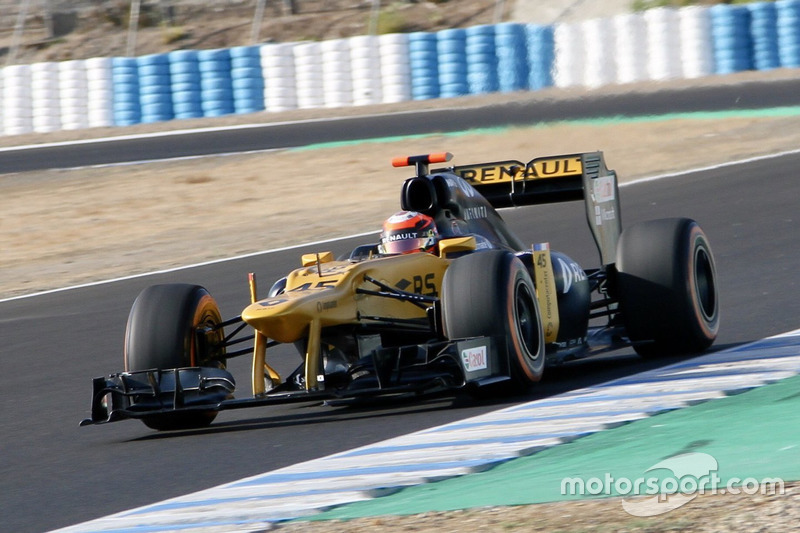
(247, 79)
(764, 35)
(125, 107)
(424, 65)
(216, 86)
(732, 43)
(155, 91)
(481, 58)
(541, 56)
(186, 90)
(451, 47)
(513, 68)
(788, 31)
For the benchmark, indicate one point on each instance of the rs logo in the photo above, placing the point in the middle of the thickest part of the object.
(425, 285)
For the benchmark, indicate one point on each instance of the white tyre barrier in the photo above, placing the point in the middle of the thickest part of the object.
(569, 55)
(630, 37)
(277, 64)
(45, 97)
(395, 67)
(336, 73)
(697, 49)
(308, 75)
(365, 63)
(17, 104)
(663, 44)
(600, 64)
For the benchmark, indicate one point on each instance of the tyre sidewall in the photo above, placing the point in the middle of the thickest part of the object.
(480, 299)
(667, 286)
(160, 329)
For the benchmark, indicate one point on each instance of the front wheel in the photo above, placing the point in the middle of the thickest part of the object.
(161, 334)
(667, 287)
(491, 294)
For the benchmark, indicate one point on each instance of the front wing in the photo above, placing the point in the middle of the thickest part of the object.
(408, 370)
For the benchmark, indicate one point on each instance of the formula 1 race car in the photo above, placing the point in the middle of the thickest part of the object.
(481, 312)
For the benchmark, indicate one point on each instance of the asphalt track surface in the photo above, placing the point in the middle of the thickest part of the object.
(746, 95)
(54, 474)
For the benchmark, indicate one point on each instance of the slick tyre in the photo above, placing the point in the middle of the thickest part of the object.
(161, 334)
(491, 294)
(667, 287)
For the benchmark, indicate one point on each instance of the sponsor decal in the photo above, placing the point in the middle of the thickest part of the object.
(603, 189)
(601, 214)
(324, 306)
(402, 236)
(544, 277)
(474, 359)
(507, 171)
(472, 213)
(571, 273)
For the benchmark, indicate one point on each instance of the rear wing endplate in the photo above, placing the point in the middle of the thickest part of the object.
(556, 179)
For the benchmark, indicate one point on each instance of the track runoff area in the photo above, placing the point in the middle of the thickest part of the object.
(738, 395)
(603, 431)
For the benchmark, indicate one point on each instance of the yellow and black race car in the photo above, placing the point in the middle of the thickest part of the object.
(477, 310)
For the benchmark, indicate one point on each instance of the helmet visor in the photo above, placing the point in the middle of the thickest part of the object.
(404, 246)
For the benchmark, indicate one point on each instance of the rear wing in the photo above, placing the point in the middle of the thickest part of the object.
(555, 179)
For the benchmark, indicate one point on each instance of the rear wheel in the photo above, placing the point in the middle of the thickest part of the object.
(667, 287)
(491, 294)
(161, 334)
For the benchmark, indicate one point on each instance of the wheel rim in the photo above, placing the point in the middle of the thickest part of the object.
(527, 326)
(704, 283)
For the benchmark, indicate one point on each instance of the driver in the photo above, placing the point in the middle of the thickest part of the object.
(407, 232)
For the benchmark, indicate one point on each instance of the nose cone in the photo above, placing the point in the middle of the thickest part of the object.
(279, 318)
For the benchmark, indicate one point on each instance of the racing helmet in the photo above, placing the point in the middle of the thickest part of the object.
(407, 232)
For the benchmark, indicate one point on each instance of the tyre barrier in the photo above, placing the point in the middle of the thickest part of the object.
(247, 81)
(395, 67)
(216, 82)
(764, 35)
(424, 62)
(451, 48)
(658, 44)
(278, 72)
(541, 56)
(365, 63)
(185, 84)
(788, 32)
(126, 108)
(697, 52)
(45, 98)
(155, 88)
(730, 33)
(510, 45)
(310, 89)
(663, 43)
(630, 38)
(100, 94)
